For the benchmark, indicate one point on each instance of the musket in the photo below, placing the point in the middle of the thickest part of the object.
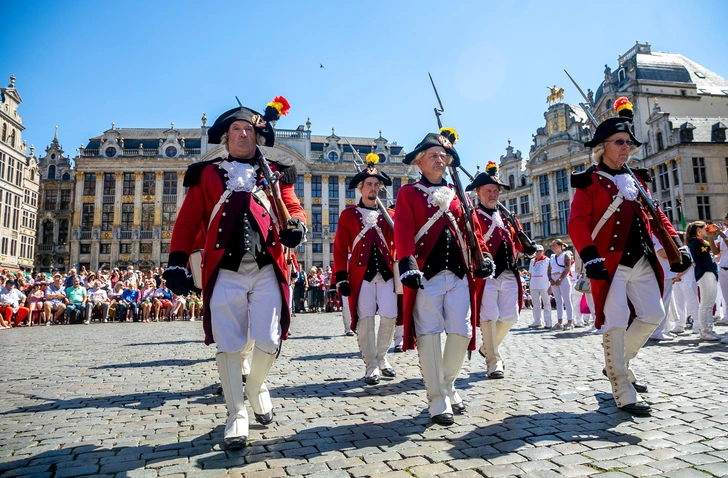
(472, 242)
(653, 209)
(380, 204)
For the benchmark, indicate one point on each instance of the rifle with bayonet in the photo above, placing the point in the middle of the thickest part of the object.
(653, 209)
(472, 242)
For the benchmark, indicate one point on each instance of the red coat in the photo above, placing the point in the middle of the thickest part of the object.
(493, 243)
(594, 194)
(191, 232)
(411, 212)
(351, 223)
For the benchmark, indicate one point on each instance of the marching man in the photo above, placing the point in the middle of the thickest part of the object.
(435, 267)
(366, 279)
(501, 296)
(244, 271)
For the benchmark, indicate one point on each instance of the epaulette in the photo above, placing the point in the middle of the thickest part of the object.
(582, 179)
(194, 172)
(643, 173)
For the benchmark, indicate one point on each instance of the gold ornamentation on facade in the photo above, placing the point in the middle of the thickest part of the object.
(557, 94)
(677, 159)
(307, 177)
(300, 199)
(79, 176)
(324, 178)
(119, 175)
(125, 257)
(88, 199)
(159, 174)
(350, 201)
(127, 199)
(148, 198)
(702, 189)
(166, 234)
(315, 200)
(107, 235)
(146, 257)
(138, 175)
(405, 180)
(99, 176)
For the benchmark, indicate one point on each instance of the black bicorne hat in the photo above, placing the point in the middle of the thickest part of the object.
(617, 124)
(370, 172)
(445, 138)
(262, 123)
(490, 176)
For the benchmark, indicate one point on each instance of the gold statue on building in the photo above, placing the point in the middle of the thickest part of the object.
(557, 94)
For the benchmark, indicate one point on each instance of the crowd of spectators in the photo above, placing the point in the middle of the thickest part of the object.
(82, 297)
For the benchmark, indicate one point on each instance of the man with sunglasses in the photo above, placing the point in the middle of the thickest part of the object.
(613, 236)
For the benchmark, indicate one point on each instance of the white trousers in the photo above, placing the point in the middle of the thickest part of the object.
(723, 282)
(377, 294)
(562, 294)
(639, 285)
(538, 296)
(666, 324)
(576, 306)
(249, 299)
(708, 285)
(685, 294)
(500, 299)
(443, 306)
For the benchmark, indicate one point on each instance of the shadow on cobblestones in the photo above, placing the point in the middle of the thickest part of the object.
(156, 363)
(171, 342)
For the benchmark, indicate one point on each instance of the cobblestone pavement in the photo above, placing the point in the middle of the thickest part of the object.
(137, 400)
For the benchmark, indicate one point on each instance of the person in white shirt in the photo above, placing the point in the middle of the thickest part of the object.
(97, 299)
(539, 286)
(559, 277)
(722, 242)
(662, 332)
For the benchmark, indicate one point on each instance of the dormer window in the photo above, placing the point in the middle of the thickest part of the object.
(382, 158)
(718, 135)
(110, 152)
(660, 142)
(686, 132)
(170, 151)
(333, 156)
(51, 172)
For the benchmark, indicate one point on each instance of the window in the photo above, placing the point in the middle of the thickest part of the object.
(333, 156)
(51, 172)
(51, 198)
(87, 217)
(105, 248)
(13, 242)
(5, 135)
(169, 215)
(149, 184)
(11, 168)
(47, 238)
(147, 216)
(298, 187)
(23, 240)
(316, 219)
(334, 187)
(63, 232)
(315, 186)
(333, 218)
(654, 185)
(164, 248)
(84, 249)
(523, 180)
(16, 211)
(89, 184)
(512, 181)
(2, 165)
(170, 184)
(513, 205)
(110, 152)
(699, 170)
(107, 217)
(4, 248)
(662, 173)
(563, 217)
(109, 184)
(676, 172)
(526, 226)
(543, 185)
(703, 207)
(65, 199)
(170, 151)
(667, 209)
(397, 183)
(145, 248)
(525, 205)
(129, 184)
(125, 248)
(546, 219)
(349, 193)
(127, 216)
(317, 247)
(562, 181)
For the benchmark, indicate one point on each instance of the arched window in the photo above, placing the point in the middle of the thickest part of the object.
(12, 139)
(51, 172)
(660, 144)
(609, 104)
(512, 181)
(66, 176)
(523, 180)
(63, 232)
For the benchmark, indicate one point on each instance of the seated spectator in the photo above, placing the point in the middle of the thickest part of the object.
(130, 300)
(12, 303)
(35, 302)
(147, 300)
(55, 300)
(114, 298)
(68, 281)
(194, 304)
(131, 277)
(162, 300)
(179, 307)
(97, 300)
(76, 298)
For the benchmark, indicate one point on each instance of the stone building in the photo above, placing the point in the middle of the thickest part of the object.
(684, 147)
(129, 189)
(55, 210)
(18, 187)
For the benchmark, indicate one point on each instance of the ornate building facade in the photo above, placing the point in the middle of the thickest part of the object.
(18, 187)
(684, 147)
(129, 189)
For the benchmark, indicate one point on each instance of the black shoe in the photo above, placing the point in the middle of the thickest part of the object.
(235, 443)
(264, 419)
(638, 387)
(349, 333)
(373, 380)
(245, 377)
(458, 408)
(388, 372)
(444, 419)
(219, 390)
(497, 374)
(398, 349)
(637, 409)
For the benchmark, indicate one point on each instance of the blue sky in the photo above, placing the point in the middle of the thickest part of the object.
(81, 64)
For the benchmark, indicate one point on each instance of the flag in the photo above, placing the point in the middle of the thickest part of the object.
(681, 217)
